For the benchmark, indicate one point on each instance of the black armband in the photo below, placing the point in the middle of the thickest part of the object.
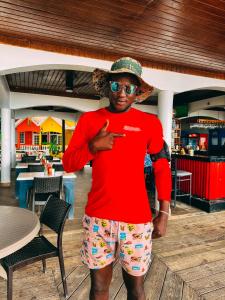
(163, 153)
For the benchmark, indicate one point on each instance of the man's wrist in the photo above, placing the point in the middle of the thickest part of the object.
(165, 213)
(92, 148)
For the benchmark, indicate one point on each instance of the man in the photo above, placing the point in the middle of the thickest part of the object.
(117, 216)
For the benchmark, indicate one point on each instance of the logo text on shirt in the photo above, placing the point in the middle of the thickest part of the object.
(130, 128)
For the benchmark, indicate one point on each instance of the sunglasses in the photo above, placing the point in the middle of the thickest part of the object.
(116, 87)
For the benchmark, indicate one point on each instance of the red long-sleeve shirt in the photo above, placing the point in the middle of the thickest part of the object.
(118, 188)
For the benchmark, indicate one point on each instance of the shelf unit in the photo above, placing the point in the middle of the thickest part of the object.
(176, 135)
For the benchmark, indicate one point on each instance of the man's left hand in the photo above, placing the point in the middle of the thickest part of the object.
(160, 224)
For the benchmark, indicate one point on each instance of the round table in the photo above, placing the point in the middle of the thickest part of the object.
(18, 226)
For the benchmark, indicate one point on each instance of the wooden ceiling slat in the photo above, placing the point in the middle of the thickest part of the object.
(210, 48)
(61, 79)
(54, 75)
(213, 10)
(95, 23)
(46, 78)
(145, 27)
(197, 16)
(36, 79)
(40, 78)
(62, 83)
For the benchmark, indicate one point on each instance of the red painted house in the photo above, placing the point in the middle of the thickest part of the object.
(27, 133)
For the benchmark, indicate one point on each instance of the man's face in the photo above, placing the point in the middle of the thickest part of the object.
(122, 92)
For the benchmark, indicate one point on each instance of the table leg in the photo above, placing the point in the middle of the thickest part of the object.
(69, 186)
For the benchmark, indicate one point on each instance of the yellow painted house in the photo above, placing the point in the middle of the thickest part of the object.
(51, 130)
(69, 129)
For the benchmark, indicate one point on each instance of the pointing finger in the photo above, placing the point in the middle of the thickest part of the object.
(118, 134)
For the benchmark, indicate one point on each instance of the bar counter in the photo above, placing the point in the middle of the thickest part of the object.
(208, 179)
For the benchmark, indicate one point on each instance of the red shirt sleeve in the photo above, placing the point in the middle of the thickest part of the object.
(77, 154)
(162, 173)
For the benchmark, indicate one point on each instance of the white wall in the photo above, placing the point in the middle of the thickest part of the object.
(31, 59)
(24, 100)
(24, 113)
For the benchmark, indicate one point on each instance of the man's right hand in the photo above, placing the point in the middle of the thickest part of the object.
(103, 140)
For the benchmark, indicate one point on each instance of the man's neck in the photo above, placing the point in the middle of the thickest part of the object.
(113, 110)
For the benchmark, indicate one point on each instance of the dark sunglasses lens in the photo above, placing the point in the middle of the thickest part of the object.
(130, 89)
(114, 86)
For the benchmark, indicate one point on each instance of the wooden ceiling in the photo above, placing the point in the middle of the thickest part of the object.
(53, 82)
(179, 35)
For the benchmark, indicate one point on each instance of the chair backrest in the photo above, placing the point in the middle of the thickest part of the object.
(47, 184)
(173, 166)
(28, 158)
(49, 157)
(36, 168)
(58, 167)
(55, 213)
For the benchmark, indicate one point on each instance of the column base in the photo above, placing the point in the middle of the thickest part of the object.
(5, 184)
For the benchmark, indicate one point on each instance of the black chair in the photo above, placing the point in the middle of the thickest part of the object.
(27, 159)
(49, 157)
(58, 167)
(43, 187)
(40, 248)
(36, 168)
(173, 167)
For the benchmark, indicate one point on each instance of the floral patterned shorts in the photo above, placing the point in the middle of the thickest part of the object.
(104, 240)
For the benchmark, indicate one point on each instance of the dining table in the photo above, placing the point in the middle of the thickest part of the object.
(23, 167)
(24, 182)
(18, 226)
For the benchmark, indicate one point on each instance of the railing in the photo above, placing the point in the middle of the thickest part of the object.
(29, 148)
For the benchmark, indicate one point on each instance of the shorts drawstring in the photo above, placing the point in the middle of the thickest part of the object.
(111, 238)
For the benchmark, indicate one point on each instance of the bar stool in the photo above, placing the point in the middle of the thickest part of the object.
(178, 177)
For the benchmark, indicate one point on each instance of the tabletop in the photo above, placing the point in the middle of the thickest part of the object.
(31, 175)
(25, 165)
(18, 227)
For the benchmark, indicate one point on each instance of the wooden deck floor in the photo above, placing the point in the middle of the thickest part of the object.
(187, 264)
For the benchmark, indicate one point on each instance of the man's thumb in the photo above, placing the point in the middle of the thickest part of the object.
(104, 128)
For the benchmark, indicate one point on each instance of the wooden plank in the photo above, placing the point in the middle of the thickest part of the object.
(215, 295)
(74, 279)
(202, 271)
(177, 264)
(189, 250)
(117, 281)
(35, 286)
(172, 288)
(208, 284)
(189, 293)
(155, 279)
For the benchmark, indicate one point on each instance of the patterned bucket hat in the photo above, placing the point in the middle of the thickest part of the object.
(122, 65)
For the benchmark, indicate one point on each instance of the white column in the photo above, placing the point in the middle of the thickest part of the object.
(165, 114)
(13, 142)
(5, 146)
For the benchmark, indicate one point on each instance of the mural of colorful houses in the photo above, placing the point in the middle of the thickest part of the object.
(41, 132)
